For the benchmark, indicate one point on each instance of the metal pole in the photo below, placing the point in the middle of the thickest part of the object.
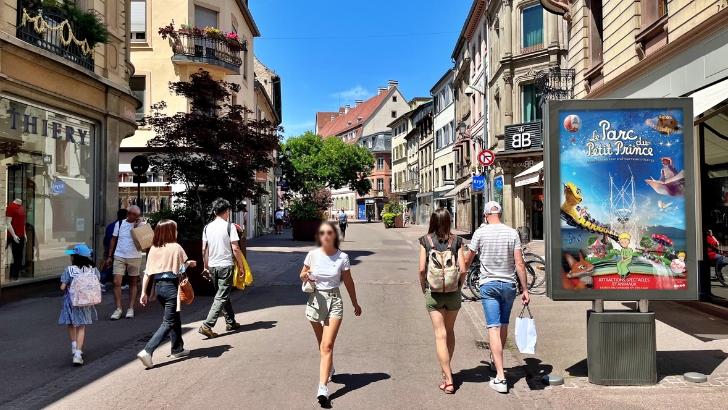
(139, 197)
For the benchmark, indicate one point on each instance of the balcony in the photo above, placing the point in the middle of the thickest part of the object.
(56, 35)
(409, 186)
(196, 47)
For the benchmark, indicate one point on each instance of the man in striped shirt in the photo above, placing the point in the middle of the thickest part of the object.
(499, 248)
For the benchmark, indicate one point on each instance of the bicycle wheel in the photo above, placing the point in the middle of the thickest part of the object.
(474, 282)
(466, 290)
(529, 256)
(721, 277)
(539, 268)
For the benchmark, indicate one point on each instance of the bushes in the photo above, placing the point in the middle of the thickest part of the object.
(305, 211)
(189, 223)
(395, 208)
(388, 219)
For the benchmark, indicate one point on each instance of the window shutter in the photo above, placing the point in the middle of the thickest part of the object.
(205, 17)
(138, 16)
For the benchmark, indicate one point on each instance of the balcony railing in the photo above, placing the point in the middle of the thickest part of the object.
(55, 41)
(199, 48)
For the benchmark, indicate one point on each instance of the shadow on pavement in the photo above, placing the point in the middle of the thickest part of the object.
(535, 369)
(692, 322)
(259, 325)
(480, 374)
(356, 381)
(205, 352)
(355, 255)
(671, 363)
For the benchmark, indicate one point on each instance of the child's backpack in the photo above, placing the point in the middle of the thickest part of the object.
(85, 288)
(442, 268)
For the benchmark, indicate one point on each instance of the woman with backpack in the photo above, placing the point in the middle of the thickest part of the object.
(78, 299)
(442, 272)
(324, 269)
(166, 261)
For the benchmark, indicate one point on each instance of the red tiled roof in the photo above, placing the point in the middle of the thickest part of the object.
(364, 110)
(323, 118)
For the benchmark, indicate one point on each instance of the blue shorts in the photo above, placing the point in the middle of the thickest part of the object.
(497, 298)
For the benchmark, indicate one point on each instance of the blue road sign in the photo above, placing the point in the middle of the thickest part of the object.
(478, 183)
(498, 182)
(58, 187)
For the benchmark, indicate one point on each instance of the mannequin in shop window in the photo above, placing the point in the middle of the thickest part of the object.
(15, 221)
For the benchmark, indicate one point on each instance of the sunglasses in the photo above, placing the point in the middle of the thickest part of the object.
(326, 233)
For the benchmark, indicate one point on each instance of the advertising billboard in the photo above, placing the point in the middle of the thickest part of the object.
(621, 196)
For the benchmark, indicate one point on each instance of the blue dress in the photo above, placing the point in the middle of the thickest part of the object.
(72, 315)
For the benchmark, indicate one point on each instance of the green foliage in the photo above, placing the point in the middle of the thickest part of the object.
(590, 240)
(305, 211)
(211, 149)
(189, 223)
(86, 25)
(389, 219)
(646, 242)
(315, 163)
(395, 208)
(610, 246)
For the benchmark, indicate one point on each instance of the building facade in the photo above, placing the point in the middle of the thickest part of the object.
(466, 219)
(657, 49)
(443, 122)
(422, 133)
(367, 123)
(64, 109)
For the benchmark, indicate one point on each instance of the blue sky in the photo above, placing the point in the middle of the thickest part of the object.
(324, 49)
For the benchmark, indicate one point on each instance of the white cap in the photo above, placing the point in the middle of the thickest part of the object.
(492, 208)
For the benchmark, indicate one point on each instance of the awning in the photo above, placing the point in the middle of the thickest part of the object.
(77, 184)
(709, 97)
(459, 188)
(529, 176)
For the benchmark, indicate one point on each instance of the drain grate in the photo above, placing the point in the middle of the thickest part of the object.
(144, 339)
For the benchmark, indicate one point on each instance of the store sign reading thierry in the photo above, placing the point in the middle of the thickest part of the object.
(32, 125)
(522, 137)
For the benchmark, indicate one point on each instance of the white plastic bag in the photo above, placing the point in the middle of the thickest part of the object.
(526, 332)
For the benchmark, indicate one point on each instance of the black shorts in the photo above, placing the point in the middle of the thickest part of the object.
(279, 221)
(342, 227)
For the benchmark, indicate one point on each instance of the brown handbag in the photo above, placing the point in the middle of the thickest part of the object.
(186, 294)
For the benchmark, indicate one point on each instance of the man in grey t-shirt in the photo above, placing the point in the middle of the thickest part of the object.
(499, 248)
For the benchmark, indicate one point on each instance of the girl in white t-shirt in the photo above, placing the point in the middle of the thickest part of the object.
(327, 266)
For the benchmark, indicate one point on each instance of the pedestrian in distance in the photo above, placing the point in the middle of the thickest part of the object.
(442, 273)
(107, 268)
(343, 224)
(279, 222)
(499, 248)
(166, 262)
(126, 259)
(76, 318)
(406, 218)
(220, 251)
(327, 267)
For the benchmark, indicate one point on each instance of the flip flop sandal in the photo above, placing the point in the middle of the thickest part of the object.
(444, 386)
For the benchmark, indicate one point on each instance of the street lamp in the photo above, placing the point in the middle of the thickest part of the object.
(462, 127)
(288, 151)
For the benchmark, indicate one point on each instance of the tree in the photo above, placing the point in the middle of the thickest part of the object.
(590, 240)
(315, 163)
(646, 242)
(211, 149)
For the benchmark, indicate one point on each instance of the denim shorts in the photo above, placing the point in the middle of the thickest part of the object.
(497, 298)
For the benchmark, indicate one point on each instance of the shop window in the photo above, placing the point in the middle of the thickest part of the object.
(531, 103)
(532, 26)
(48, 187)
(138, 20)
(138, 86)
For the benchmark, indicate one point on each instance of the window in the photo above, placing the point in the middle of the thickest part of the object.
(531, 103)
(596, 32)
(138, 26)
(532, 26)
(138, 87)
(437, 178)
(446, 137)
(452, 174)
(380, 184)
(205, 17)
(380, 163)
(245, 63)
(394, 114)
(394, 99)
(438, 139)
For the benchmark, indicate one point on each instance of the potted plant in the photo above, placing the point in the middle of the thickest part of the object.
(185, 29)
(467, 160)
(306, 218)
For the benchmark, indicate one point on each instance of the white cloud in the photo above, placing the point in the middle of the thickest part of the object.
(355, 93)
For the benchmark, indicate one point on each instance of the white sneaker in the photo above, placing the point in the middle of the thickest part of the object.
(130, 314)
(117, 314)
(323, 394)
(77, 358)
(183, 353)
(146, 359)
(103, 288)
(73, 351)
(501, 386)
(333, 372)
(125, 287)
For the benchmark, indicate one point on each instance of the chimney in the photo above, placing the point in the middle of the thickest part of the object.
(346, 109)
(382, 90)
(341, 110)
(333, 117)
(358, 102)
(392, 83)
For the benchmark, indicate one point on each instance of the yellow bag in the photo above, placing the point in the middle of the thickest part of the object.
(241, 281)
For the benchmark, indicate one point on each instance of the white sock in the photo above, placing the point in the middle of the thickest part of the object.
(73, 345)
(78, 352)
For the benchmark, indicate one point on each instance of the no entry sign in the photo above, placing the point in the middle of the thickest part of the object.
(486, 157)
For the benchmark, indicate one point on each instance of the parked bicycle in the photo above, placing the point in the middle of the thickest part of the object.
(535, 277)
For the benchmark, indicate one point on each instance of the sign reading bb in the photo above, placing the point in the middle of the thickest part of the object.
(524, 136)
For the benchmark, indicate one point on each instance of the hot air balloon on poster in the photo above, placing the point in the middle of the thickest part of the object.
(572, 123)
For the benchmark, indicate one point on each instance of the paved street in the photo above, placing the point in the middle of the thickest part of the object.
(385, 359)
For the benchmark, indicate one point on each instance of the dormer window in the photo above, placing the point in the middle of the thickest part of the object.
(348, 123)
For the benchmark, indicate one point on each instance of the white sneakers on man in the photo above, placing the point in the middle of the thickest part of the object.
(501, 386)
(130, 314)
(117, 314)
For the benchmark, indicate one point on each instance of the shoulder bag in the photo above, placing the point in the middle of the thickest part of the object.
(308, 286)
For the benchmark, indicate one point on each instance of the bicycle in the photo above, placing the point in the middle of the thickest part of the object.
(471, 288)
